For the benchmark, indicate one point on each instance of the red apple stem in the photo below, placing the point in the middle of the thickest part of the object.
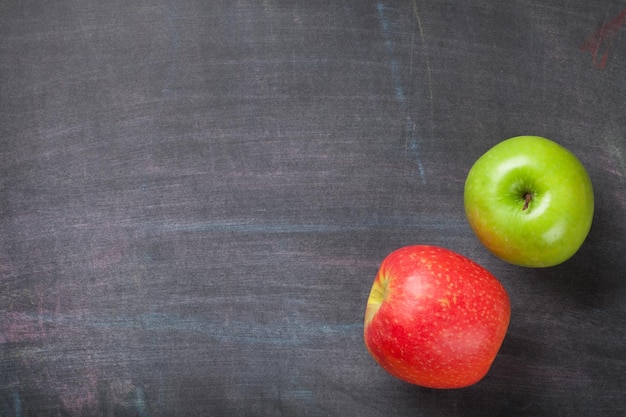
(527, 198)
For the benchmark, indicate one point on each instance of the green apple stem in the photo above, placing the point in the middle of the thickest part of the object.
(527, 198)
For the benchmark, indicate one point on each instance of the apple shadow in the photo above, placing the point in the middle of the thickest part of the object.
(490, 397)
(593, 277)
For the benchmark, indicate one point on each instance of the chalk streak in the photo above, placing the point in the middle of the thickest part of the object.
(426, 55)
(618, 163)
(603, 37)
(395, 77)
(17, 403)
(400, 96)
(420, 28)
(248, 226)
(171, 28)
(279, 334)
(140, 402)
(414, 146)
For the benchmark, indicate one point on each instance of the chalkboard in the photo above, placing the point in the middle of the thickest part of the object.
(195, 197)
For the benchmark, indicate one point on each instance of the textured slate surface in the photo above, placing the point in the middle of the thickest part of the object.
(195, 197)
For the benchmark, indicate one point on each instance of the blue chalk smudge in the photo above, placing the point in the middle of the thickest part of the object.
(270, 227)
(278, 334)
(17, 403)
(414, 146)
(140, 402)
(395, 76)
(264, 226)
(413, 142)
(171, 28)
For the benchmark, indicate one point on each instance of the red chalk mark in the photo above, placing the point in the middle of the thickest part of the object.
(603, 37)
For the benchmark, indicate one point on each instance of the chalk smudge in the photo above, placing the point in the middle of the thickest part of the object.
(619, 162)
(410, 128)
(17, 403)
(251, 226)
(140, 402)
(395, 77)
(171, 28)
(233, 331)
(601, 41)
(426, 56)
(420, 29)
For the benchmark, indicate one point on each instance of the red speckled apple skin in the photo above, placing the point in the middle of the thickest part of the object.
(435, 318)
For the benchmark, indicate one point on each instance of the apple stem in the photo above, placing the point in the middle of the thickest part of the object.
(527, 198)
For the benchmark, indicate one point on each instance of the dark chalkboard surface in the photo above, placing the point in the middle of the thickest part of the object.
(195, 197)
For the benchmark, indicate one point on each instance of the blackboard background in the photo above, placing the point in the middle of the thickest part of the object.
(195, 197)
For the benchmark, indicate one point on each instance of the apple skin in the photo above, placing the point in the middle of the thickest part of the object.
(558, 216)
(435, 318)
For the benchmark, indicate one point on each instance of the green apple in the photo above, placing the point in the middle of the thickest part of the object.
(529, 201)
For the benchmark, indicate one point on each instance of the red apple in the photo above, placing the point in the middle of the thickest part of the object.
(435, 318)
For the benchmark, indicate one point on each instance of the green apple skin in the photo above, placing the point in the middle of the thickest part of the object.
(530, 201)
